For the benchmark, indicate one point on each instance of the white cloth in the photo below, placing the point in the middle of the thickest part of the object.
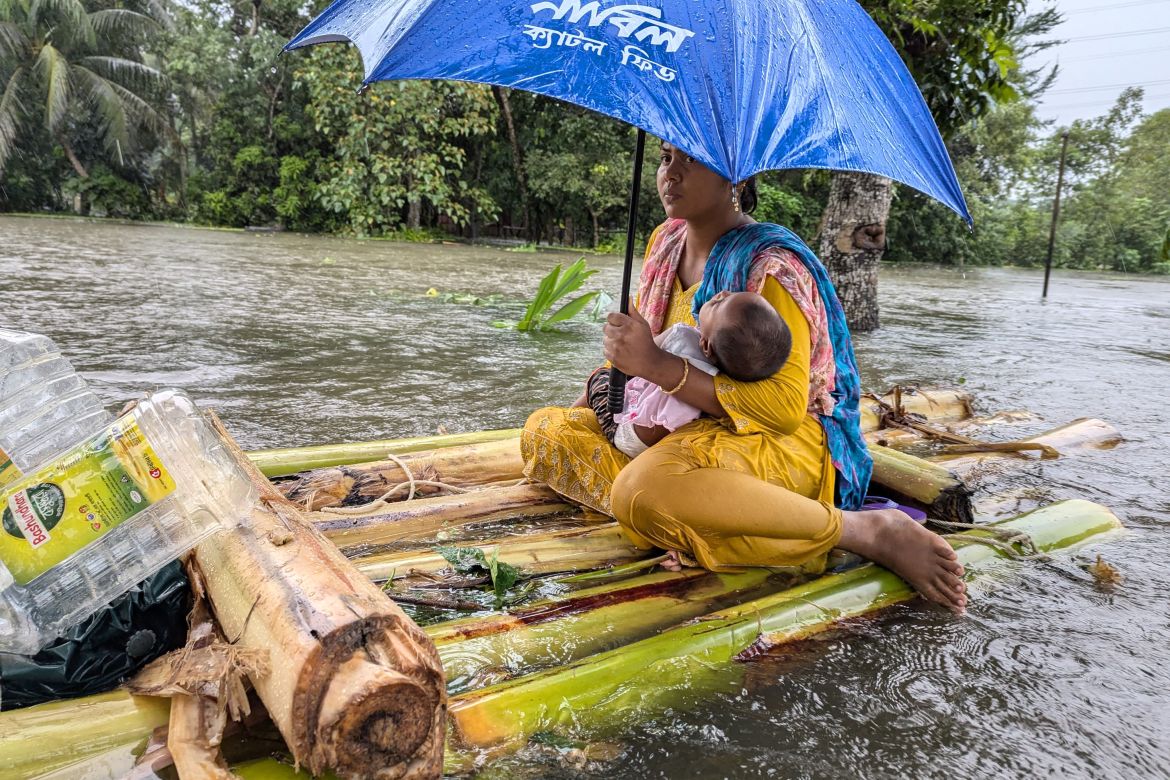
(649, 405)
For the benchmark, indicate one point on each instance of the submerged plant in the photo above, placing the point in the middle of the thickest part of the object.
(470, 560)
(558, 284)
(470, 299)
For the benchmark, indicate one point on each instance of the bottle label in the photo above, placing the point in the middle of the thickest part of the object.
(8, 471)
(78, 498)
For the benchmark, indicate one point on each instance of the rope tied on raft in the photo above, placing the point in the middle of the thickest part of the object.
(1015, 545)
(895, 416)
(382, 501)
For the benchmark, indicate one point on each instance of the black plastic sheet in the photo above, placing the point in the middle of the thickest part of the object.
(106, 648)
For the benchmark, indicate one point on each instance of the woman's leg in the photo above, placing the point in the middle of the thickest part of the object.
(726, 518)
(566, 450)
(722, 518)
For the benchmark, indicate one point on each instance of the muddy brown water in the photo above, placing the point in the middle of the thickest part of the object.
(299, 340)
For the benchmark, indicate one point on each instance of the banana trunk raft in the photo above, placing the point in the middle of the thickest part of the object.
(538, 617)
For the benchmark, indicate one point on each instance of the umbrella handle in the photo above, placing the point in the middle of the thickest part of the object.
(617, 391)
(617, 380)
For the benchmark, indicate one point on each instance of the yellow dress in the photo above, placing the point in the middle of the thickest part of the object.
(752, 489)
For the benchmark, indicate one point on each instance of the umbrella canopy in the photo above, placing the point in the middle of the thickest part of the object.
(743, 86)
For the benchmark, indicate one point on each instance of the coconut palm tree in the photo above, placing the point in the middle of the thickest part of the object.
(68, 65)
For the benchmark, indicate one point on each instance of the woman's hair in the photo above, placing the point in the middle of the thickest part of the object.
(749, 198)
(755, 347)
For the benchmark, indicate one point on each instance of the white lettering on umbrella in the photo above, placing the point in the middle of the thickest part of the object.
(637, 58)
(544, 38)
(640, 22)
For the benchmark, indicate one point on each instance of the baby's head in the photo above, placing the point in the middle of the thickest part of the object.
(744, 335)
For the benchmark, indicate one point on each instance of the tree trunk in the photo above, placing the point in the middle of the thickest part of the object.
(413, 212)
(80, 201)
(413, 205)
(596, 229)
(273, 99)
(517, 155)
(69, 155)
(852, 240)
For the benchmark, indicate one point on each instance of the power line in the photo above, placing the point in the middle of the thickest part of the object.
(1113, 7)
(1072, 90)
(1127, 34)
(1102, 103)
(1111, 54)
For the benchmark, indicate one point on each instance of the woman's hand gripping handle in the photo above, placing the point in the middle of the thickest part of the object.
(630, 349)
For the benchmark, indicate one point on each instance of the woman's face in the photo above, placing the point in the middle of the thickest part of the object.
(688, 189)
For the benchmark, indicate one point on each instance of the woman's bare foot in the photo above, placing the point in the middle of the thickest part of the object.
(671, 561)
(675, 560)
(924, 559)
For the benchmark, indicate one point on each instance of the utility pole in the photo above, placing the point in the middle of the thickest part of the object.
(1055, 214)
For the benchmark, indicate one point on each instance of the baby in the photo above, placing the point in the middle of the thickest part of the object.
(739, 334)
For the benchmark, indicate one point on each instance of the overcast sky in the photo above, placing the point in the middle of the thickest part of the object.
(1109, 44)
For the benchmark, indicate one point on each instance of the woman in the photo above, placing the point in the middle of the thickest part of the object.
(753, 482)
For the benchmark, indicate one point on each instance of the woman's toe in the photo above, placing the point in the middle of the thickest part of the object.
(932, 592)
(954, 567)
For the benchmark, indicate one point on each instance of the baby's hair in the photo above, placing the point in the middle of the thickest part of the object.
(757, 347)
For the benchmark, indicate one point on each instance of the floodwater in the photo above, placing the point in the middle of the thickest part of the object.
(300, 340)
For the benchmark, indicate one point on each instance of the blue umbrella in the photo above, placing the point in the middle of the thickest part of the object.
(743, 86)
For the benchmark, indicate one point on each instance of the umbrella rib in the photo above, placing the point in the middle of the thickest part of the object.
(828, 93)
(735, 117)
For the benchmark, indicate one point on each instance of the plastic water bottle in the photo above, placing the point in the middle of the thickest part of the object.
(82, 528)
(45, 407)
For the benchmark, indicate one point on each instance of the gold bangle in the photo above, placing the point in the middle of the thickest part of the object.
(683, 381)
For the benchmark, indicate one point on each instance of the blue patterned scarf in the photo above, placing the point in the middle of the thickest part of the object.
(728, 268)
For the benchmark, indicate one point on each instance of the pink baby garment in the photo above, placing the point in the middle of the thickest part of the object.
(647, 404)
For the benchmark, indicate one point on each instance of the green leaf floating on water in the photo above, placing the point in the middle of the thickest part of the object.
(465, 560)
(551, 305)
(504, 576)
(473, 560)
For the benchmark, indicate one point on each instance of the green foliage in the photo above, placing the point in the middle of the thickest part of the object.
(614, 245)
(1114, 209)
(473, 560)
(591, 177)
(400, 147)
(416, 235)
(794, 200)
(108, 192)
(294, 198)
(963, 54)
(553, 287)
(239, 114)
(75, 75)
(470, 299)
(217, 208)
